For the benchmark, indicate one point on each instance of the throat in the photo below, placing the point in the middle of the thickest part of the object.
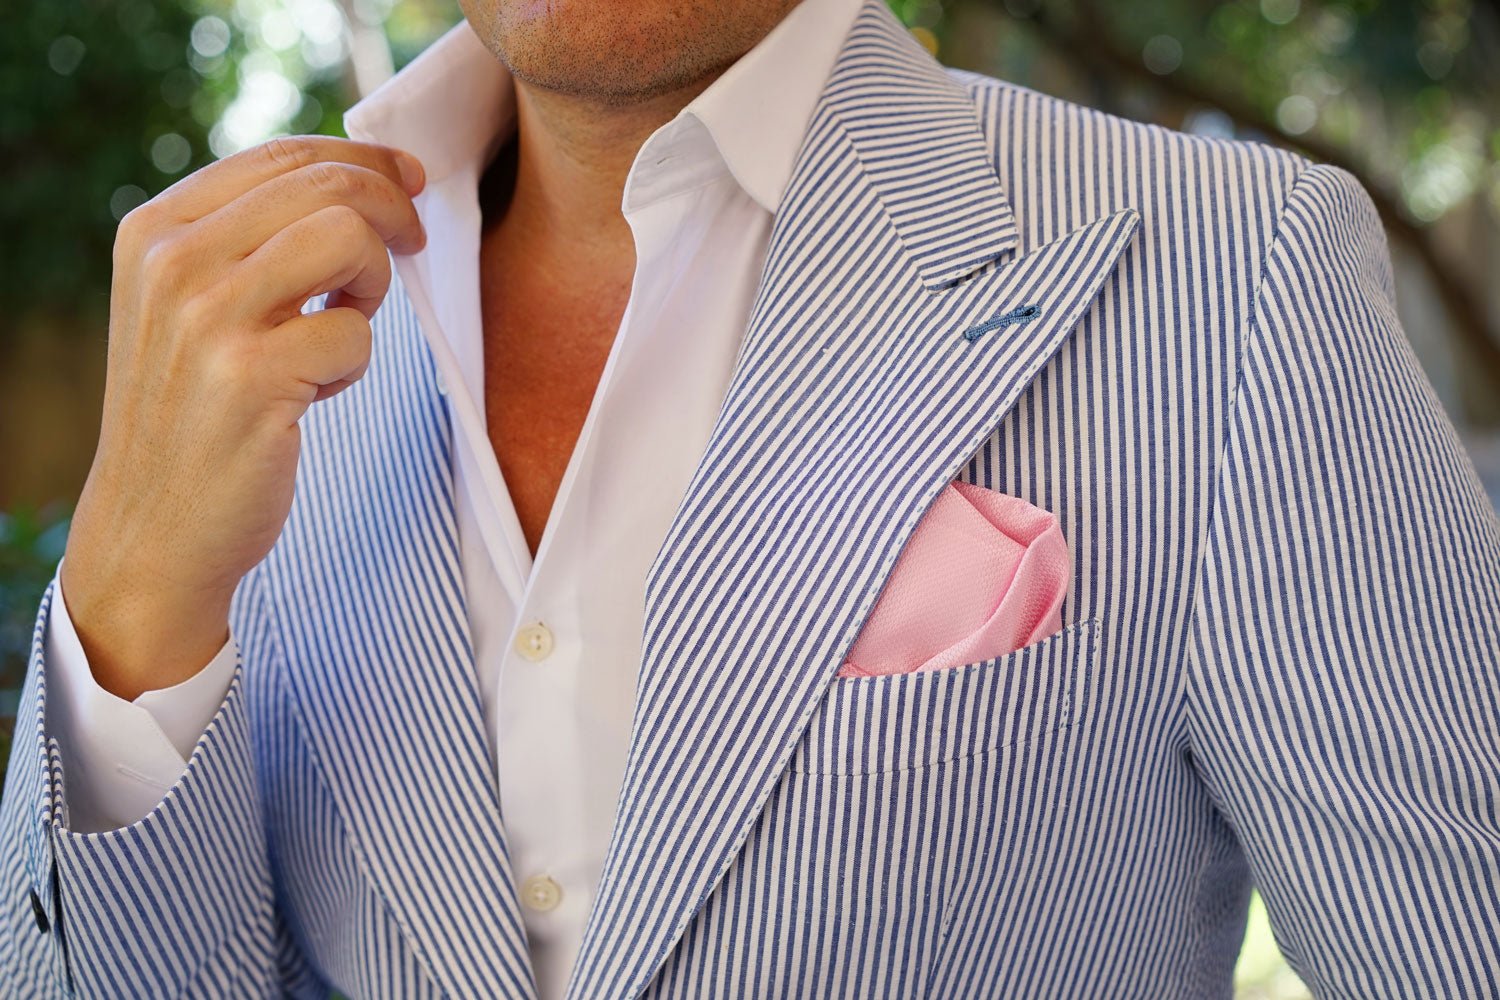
(550, 321)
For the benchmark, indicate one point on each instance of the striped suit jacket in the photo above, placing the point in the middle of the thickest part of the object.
(1278, 665)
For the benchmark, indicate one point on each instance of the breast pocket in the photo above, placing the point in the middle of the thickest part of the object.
(902, 722)
(909, 800)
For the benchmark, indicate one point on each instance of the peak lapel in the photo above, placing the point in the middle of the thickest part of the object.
(856, 397)
(914, 132)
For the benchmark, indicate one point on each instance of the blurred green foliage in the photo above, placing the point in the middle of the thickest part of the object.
(86, 88)
(1391, 80)
(1410, 91)
(103, 103)
(1261, 972)
(31, 543)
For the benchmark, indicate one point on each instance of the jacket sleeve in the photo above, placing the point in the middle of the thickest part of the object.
(1344, 649)
(159, 908)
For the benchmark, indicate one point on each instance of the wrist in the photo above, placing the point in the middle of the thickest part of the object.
(141, 635)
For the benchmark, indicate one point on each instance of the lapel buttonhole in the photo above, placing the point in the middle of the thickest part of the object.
(1011, 318)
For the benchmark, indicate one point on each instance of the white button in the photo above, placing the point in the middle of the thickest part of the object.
(540, 893)
(442, 384)
(534, 642)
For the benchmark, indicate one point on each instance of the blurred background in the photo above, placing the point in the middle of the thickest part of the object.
(103, 103)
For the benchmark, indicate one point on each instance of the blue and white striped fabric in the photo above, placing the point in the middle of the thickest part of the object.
(1280, 665)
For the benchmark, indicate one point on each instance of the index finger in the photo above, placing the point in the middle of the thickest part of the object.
(216, 185)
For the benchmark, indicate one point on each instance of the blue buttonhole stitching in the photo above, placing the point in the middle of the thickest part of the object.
(1011, 318)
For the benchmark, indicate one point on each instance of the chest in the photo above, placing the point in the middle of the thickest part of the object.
(545, 348)
(934, 829)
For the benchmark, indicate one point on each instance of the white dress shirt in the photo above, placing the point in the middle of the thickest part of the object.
(557, 639)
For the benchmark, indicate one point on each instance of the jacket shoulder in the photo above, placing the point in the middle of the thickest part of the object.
(1019, 105)
(1063, 164)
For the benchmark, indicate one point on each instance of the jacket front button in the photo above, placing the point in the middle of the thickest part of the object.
(38, 912)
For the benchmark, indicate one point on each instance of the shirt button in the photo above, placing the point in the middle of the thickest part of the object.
(540, 893)
(534, 642)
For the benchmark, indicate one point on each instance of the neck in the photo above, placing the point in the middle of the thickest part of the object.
(572, 159)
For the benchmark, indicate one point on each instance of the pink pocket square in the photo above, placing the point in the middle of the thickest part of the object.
(982, 575)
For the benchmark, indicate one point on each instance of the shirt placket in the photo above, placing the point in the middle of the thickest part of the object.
(543, 776)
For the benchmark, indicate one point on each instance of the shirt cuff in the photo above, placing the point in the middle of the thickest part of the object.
(120, 757)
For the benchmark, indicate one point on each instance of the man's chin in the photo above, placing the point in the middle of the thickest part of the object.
(617, 53)
(597, 81)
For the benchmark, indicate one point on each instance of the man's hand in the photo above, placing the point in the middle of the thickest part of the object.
(211, 363)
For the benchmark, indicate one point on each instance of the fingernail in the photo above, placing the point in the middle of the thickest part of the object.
(412, 174)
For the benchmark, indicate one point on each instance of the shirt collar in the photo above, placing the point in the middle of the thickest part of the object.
(454, 105)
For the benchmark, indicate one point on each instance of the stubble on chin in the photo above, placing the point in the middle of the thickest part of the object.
(618, 53)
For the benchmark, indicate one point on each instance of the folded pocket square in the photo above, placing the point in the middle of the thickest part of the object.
(982, 575)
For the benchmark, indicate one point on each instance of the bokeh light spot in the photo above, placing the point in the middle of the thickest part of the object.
(210, 37)
(170, 153)
(1280, 11)
(64, 54)
(1296, 114)
(125, 198)
(1162, 54)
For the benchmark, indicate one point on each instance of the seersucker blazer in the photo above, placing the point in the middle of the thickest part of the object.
(1279, 666)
